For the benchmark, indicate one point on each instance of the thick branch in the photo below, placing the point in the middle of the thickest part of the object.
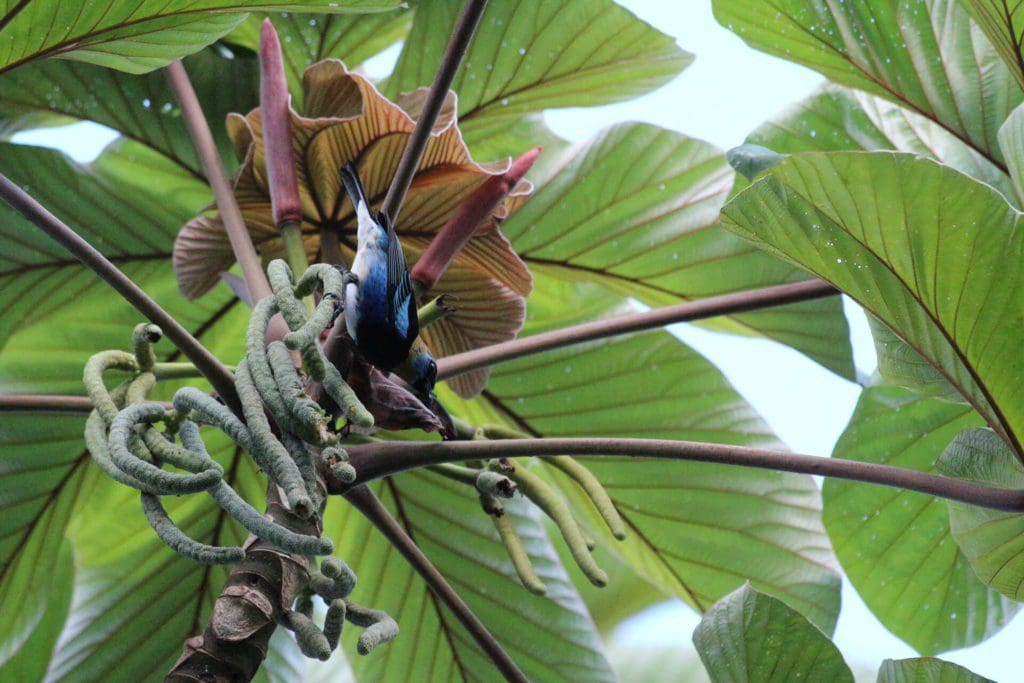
(367, 503)
(208, 364)
(230, 214)
(48, 403)
(384, 458)
(711, 307)
(453, 53)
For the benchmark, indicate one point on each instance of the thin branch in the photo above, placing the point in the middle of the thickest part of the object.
(385, 458)
(364, 500)
(208, 364)
(453, 53)
(230, 214)
(49, 403)
(711, 307)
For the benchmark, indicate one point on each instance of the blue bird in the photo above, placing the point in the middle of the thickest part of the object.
(380, 305)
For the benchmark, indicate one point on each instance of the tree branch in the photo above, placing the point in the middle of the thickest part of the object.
(453, 53)
(208, 364)
(701, 309)
(230, 214)
(364, 500)
(385, 458)
(49, 403)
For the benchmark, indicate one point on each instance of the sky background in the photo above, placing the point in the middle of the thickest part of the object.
(727, 92)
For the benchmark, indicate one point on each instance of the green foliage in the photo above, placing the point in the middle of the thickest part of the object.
(926, 670)
(750, 637)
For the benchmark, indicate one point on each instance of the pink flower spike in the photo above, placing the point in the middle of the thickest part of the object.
(277, 137)
(454, 234)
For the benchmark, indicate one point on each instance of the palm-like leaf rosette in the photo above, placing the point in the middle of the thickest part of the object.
(347, 118)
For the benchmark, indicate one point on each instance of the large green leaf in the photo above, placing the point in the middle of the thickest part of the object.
(688, 523)
(749, 637)
(923, 54)
(527, 56)
(1003, 24)
(834, 119)
(636, 210)
(551, 638)
(306, 39)
(895, 546)
(926, 670)
(992, 540)
(133, 35)
(929, 251)
(41, 478)
(140, 107)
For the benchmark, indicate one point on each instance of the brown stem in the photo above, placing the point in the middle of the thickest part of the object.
(453, 53)
(230, 214)
(48, 403)
(388, 457)
(277, 132)
(364, 500)
(208, 364)
(711, 307)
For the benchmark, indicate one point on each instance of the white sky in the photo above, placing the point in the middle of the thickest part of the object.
(727, 92)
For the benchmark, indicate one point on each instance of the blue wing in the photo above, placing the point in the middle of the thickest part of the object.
(400, 295)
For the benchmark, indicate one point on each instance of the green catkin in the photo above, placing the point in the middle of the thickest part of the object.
(302, 410)
(300, 454)
(92, 378)
(495, 484)
(592, 487)
(267, 451)
(246, 515)
(259, 365)
(206, 409)
(143, 338)
(380, 628)
(341, 393)
(159, 481)
(293, 310)
(464, 431)
(499, 431)
(331, 285)
(180, 542)
(537, 490)
(587, 537)
(304, 604)
(336, 460)
(96, 443)
(310, 639)
(520, 559)
(334, 580)
(334, 622)
(178, 371)
(491, 505)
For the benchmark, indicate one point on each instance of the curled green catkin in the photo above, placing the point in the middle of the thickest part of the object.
(180, 542)
(267, 451)
(259, 365)
(159, 481)
(535, 488)
(246, 515)
(300, 454)
(302, 410)
(96, 443)
(293, 310)
(334, 580)
(331, 285)
(592, 487)
(310, 639)
(336, 460)
(380, 628)
(143, 338)
(92, 378)
(334, 622)
(189, 400)
(517, 553)
(352, 409)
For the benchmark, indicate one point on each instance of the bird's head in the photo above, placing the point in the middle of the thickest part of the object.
(424, 371)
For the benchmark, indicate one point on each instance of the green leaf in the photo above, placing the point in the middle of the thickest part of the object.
(307, 38)
(688, 523)
(834, 119)
(1003, 24)
(551, 638)
(901, 365)
(895, 545)
(134, 35)
(528, 56)
(925, 55)
(992, 540)
(1011, 142)
(926, 670)
(929, 251)
(636, 210)
(141, 108)
(41, 479)
(749, 636)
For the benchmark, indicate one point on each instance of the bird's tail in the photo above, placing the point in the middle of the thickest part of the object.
(354, 187)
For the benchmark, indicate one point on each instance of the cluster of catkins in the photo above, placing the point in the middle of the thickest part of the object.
(123, 441)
